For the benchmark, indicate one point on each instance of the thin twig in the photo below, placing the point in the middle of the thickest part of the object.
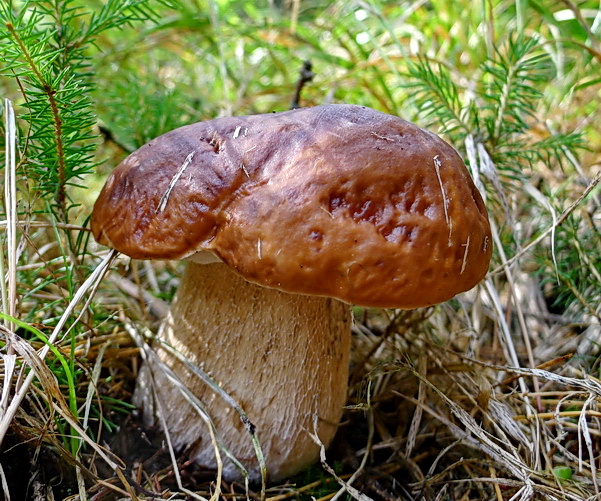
(306, 75)
(45, 224)
(560, 220)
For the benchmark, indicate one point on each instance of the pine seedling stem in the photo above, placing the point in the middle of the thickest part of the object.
(50, 92)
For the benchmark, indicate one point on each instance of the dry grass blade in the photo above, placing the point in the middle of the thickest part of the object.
(585, 436)
(506, 421)
(345, 485)
(417, 415)
(218, 390)
(366, 454)
(6, 493)
(44, 224)
(155, 364)
(589, 384)
(529, 483)
(41, 371)
(117, 468)
(158, 307)
(161, 415)
(9, 363)
(477, 436)
(89, 285)
(509, 347)
(87, 407)
(93, 384)
(10, 205)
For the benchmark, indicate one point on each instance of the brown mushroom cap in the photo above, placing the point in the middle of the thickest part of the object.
(336, 200)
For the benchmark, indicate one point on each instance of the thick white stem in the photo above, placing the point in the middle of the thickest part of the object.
(282, 357)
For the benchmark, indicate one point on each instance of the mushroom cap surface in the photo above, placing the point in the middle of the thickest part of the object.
(336, 200)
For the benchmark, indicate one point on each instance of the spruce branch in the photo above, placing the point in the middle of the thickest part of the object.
(437, 96)
(45, 45)
(58, 124)
(500, 109)
(509, 90)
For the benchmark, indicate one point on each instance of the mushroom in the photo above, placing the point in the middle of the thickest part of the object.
(286, 219)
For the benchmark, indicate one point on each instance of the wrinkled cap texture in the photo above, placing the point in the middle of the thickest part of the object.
(335, 200)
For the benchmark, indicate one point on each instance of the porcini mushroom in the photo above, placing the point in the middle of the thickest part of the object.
(304, 212)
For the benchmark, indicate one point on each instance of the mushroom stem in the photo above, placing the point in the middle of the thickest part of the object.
(282, 357)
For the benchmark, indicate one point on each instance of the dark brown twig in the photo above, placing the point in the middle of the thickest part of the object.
(306, 75)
